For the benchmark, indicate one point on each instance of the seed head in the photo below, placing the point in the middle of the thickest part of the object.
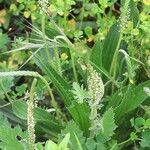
(123, 20)
(44, 6)
(96, 92)
(95, 87)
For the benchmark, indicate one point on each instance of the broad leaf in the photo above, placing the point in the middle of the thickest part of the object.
(110, 46)
(9, 137)
(108, 123)
(96, 55)
(5, 85)
(145, 142)
(134, 15)
(128, 98)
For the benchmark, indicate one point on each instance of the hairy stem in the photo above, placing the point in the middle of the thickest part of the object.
(30, 117)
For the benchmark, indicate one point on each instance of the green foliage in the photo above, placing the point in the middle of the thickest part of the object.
(132, 98)
(96, 56)
(11, 138)
(134, 13)
(80, 94)
(111, 46)
(56, 41)
(64, 90)
(75, 135)
(50, 145)
(62, 146)
(108, 123)
(4, 40)
(145, 139)
(5, 85)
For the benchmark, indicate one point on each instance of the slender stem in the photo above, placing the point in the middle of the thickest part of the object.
(124, 142)
(58, 63)
(65, 14)
(71, 47)
(73, 65)
(32, 90)
(53, 101)
(44, 38)
(82, 15)
(5, 105)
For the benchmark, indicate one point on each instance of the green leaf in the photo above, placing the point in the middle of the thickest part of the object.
(108, 123)
(50, 145)
(60, 84)
(9, 136)
(96, 55)
(80, 117)
(5, 85)
(74, 131)
(80, 94)
(134, 14)
(79, 144)
(21, 89)
(39, 146)
(8, 113)
(91, 144)
(147, 123)
(63, 144)
(139, 122)
(88, 31)
(4, 40)
(43, 118)
(145, 139)
(110, 46)
(131, 98)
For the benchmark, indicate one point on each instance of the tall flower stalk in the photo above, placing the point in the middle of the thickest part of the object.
(30, 117)
(96, 92)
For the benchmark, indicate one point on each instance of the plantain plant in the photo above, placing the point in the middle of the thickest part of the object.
(82, 97)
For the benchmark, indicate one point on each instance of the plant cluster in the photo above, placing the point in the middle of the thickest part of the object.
(74, 75)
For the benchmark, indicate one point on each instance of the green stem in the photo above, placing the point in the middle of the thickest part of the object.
(73, 65)
(53, 101)
(58, 63)
(71, 47)
(82, 15)
(124, 142)
(44, 38)
(32, 90)
(65, 14)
